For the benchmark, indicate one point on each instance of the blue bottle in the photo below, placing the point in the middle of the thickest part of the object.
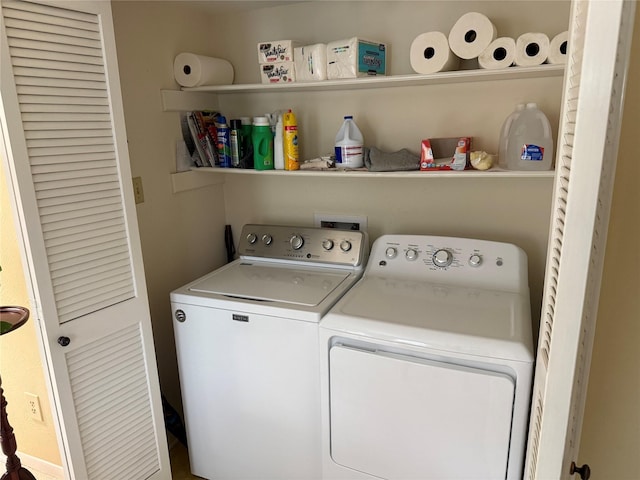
(224, 141)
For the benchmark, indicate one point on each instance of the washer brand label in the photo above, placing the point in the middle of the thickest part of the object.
(240, 318)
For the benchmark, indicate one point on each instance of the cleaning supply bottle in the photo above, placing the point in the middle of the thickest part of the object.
(246, 156)
(530, 142)
(224, 141)
(290, 140)
(278, 146)
(349, 145)
(504, 135)
(262, 139)
(236, 142)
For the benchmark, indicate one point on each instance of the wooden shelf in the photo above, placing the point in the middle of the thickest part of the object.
(334, 172)
(200, 97)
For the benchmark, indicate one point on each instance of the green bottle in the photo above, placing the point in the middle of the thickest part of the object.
(262, 139)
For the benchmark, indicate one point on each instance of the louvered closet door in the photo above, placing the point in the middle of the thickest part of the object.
(599, 46)
(65, 150)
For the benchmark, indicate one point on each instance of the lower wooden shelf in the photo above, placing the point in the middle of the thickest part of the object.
(207, 176)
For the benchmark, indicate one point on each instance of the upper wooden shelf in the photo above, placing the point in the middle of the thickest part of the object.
(179, 99)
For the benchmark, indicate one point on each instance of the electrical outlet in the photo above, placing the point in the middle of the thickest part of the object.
(33, 406)
(342, 222)
(138, 192)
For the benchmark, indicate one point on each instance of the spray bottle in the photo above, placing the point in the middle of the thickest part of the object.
(290, 141)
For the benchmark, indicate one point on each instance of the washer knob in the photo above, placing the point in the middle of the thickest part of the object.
(475, 260)
(267, 239)
(391, 252)
(296, 242)
(411, 254)
(345, 245)
(442, 258)
(252, 238)
(327, 244)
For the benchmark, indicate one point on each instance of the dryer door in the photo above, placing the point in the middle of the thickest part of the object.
(402, 417)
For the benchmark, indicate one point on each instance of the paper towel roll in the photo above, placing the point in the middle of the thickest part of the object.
(430, 53)
(501, 53)
(471, 34)
(191, 70)
(558, 49)
(531, 49)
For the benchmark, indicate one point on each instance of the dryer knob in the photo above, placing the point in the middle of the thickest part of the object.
(327, 244)
(411, 254)
(391, 252)
(267, 239)
(252, 238)
(442, 258)
(296, 242)
(345, 245)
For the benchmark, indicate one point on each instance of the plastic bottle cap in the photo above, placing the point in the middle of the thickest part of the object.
(348, 116)
(520, 106)
(532, 105)
(245, 120)
(261, 121)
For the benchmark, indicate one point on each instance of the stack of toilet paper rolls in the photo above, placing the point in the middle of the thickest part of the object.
(475, 36)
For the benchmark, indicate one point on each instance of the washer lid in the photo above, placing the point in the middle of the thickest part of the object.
(489, 323)
(272, 283)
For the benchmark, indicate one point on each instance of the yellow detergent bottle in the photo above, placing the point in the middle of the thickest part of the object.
(290, 140)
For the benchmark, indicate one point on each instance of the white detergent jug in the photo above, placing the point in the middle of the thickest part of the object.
(530, 143)
(349, 145)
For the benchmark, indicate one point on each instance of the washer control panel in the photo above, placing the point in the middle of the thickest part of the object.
(304, 244)
(450, 260)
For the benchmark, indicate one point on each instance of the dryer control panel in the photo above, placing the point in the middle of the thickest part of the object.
(329, 246)
(451, 261)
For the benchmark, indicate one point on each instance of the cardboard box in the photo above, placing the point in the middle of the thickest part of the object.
(282, 72)
(355, 57)
(276, 51)
(445, 154)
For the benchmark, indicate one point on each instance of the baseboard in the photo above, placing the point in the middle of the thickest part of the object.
(55, 472)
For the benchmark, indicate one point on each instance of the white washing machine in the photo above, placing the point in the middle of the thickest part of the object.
(426, 363)
(247, 345)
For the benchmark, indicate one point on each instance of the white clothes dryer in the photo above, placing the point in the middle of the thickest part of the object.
(427, 362)
(247, 346)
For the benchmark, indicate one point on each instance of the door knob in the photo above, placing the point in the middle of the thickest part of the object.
(64, 341)
(584, 471)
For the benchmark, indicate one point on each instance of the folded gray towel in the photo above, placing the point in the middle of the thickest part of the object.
(378, 161)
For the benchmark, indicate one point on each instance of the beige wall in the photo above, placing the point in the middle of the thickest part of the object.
(20, 361)
(181, 234)
(611, 429)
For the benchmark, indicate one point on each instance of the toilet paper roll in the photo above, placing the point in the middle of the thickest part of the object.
(471, 35)
(558, 49)
(191, 70)
(430, 53)
(501, 53)
(531, 49)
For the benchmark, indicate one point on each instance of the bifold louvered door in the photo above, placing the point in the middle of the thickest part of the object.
(600, 39)
(65, 151)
